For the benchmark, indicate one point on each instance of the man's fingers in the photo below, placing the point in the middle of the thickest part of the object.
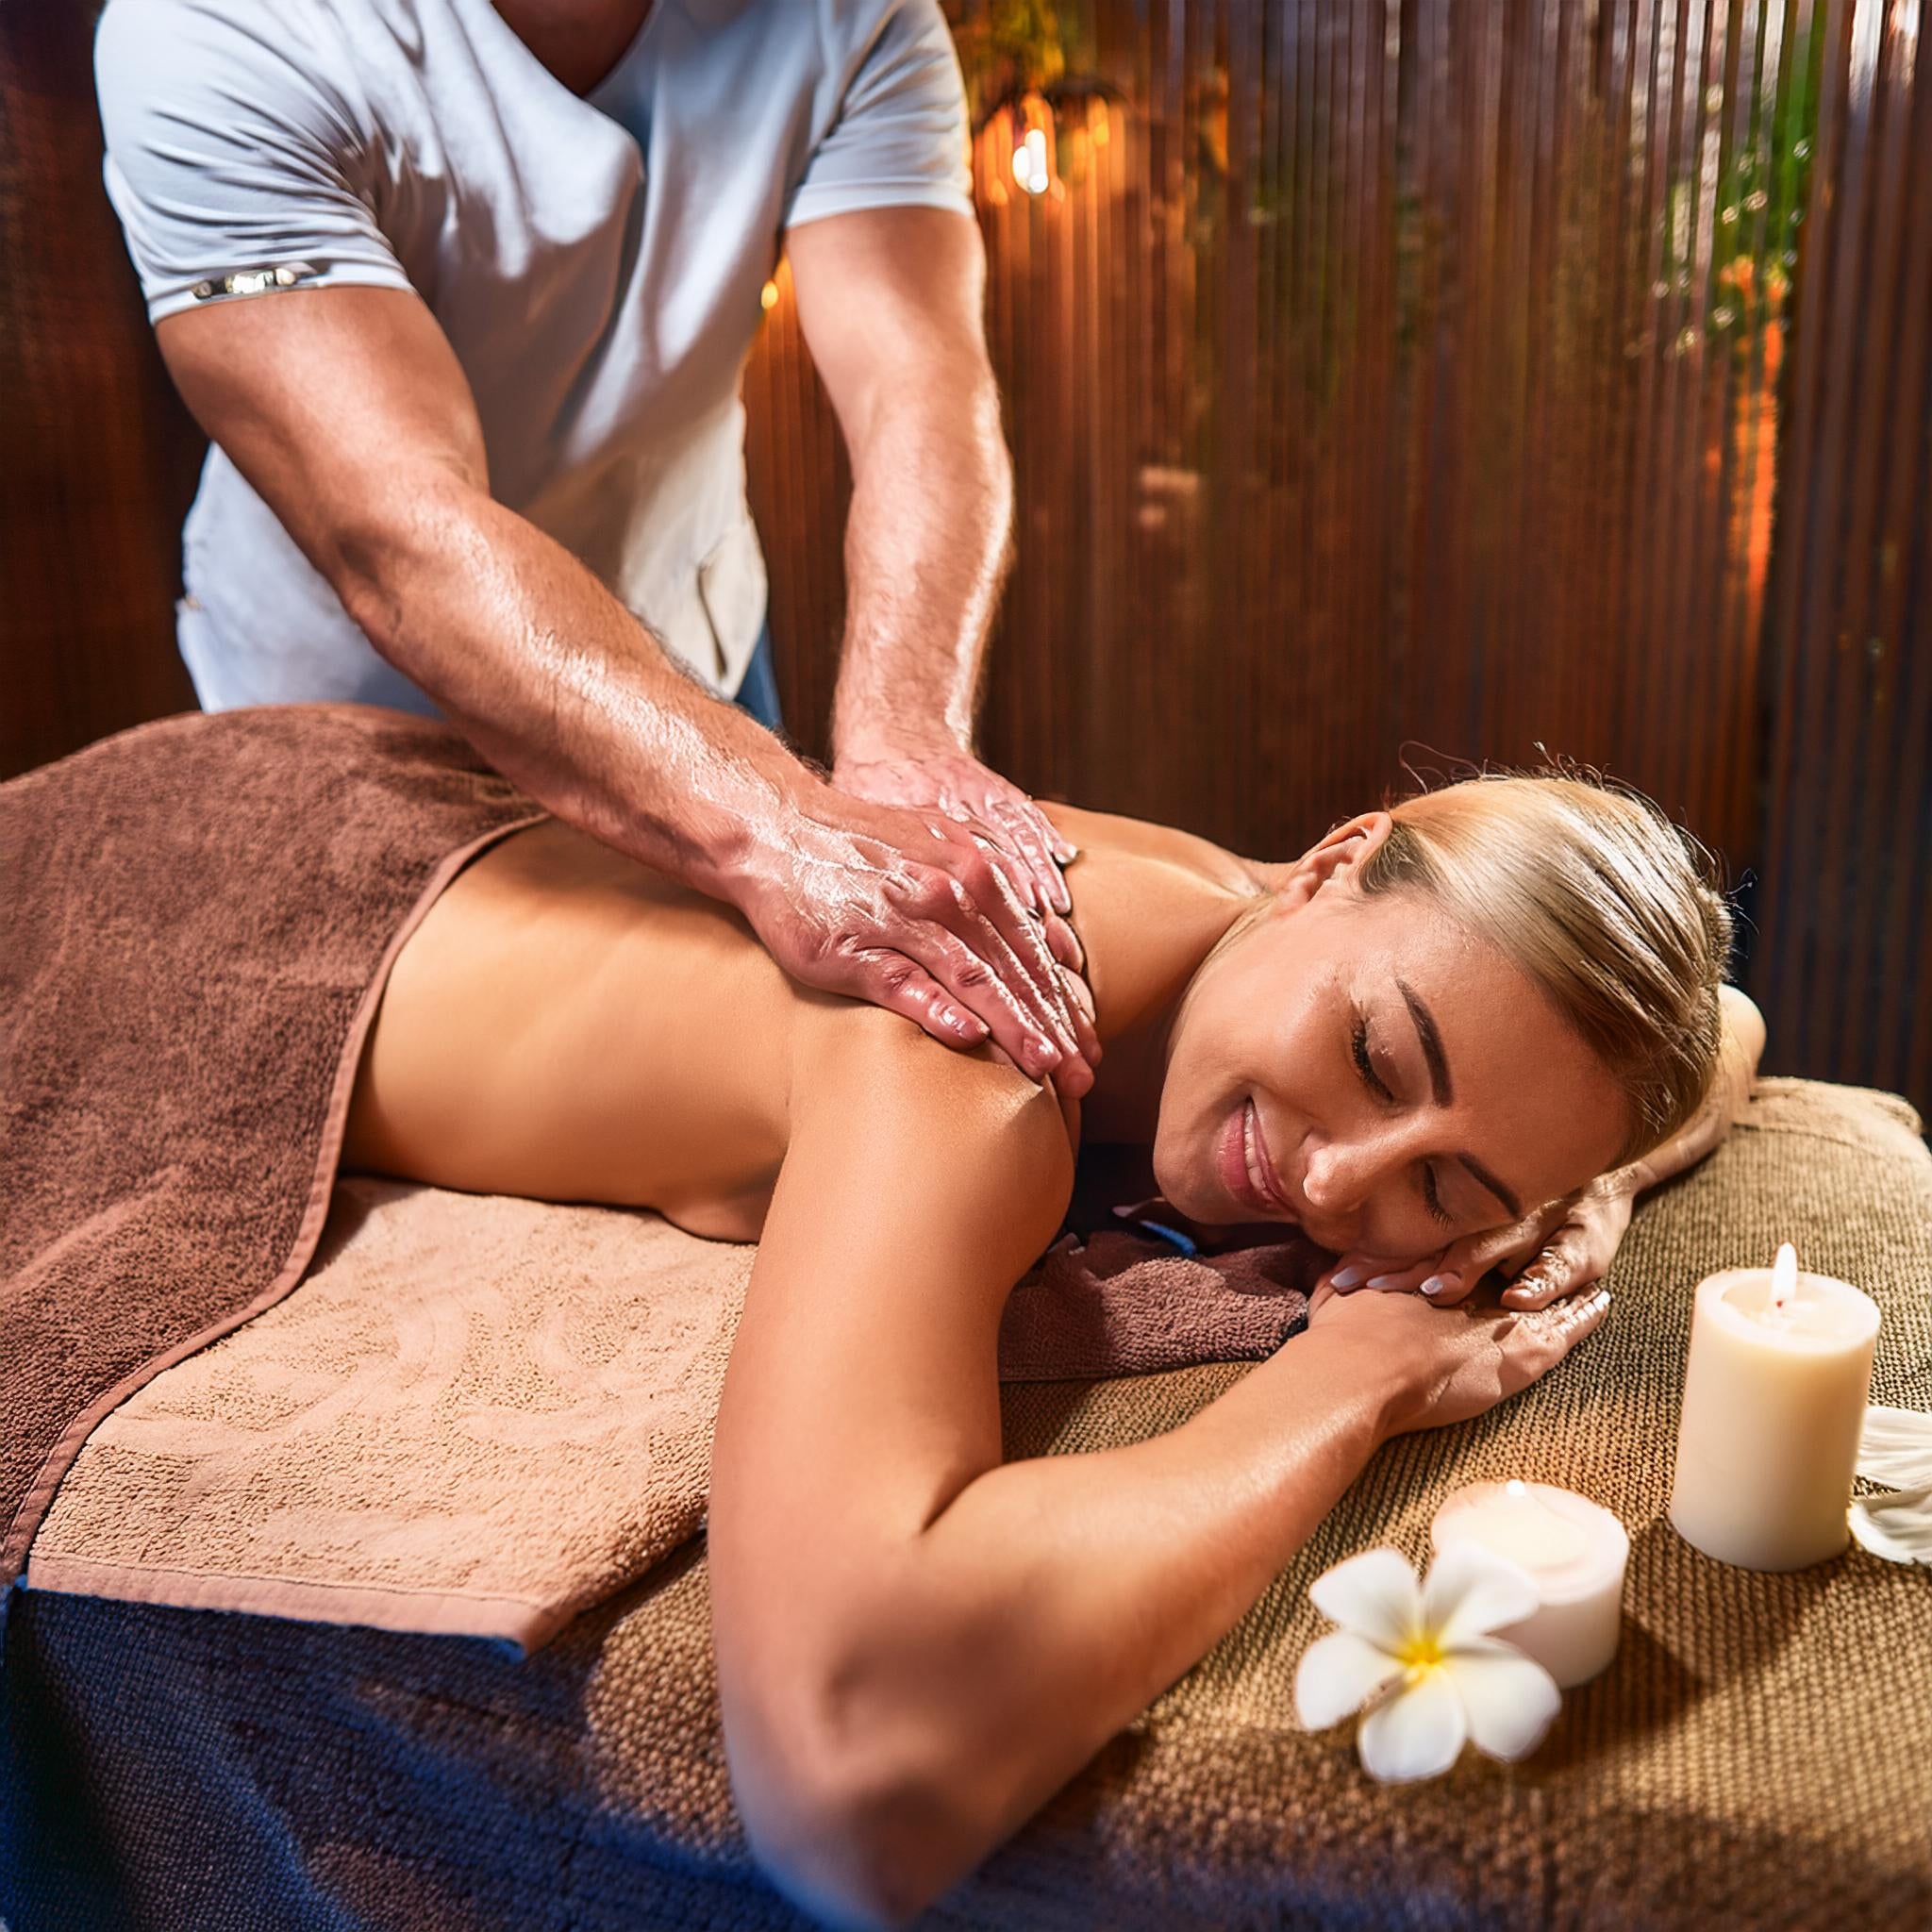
(1079, 1001)
(902, 986)
(1000, 930)
(1008, 861)
(972, 983)
(1063, 942)
(1034, 836)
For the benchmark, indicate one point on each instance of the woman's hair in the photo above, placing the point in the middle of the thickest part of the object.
(1609, 908)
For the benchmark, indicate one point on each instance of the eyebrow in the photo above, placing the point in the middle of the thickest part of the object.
(1431, 1042)
(1494, 1185)
(1440, 1085)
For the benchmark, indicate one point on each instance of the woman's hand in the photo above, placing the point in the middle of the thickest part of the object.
(1456, 1362)
(1554, 1250)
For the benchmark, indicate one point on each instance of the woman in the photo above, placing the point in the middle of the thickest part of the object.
(1439, 1020)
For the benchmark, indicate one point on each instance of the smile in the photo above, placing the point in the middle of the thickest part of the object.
(1246, 1171)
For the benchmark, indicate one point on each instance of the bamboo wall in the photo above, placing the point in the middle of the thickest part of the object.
(1388, 383)
(1396, 384)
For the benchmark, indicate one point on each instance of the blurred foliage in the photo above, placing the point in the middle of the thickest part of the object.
(1007, 48)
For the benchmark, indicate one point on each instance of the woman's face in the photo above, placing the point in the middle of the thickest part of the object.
(1369, 1071)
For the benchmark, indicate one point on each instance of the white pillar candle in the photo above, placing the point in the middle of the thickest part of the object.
(1575, 1553)
(1775, 1396)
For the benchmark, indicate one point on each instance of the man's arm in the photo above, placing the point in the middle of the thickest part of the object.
(889, 300)
(347, 411)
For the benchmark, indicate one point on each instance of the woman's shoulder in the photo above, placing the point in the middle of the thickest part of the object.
(1150, 902)
(1143, 838)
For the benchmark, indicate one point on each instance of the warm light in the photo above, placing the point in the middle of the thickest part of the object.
(1784, 1274)
(768, 296)
(1029, 163)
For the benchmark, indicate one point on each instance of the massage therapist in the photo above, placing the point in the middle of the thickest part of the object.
(462, 292)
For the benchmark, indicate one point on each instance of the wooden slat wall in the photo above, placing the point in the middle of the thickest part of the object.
(97, 456)
(1395, 384)
(1388, 381)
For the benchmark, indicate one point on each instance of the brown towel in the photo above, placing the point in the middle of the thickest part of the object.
(1120, 1303)
(202, 915)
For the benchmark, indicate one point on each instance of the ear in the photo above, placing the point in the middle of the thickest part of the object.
(1331, 861)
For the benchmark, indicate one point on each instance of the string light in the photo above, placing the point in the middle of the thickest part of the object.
(768, 296)
(1029, 163)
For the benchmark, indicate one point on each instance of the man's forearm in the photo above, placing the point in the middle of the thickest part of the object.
(561, 687)
(927, 544)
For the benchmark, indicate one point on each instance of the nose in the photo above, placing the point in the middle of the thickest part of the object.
(1341, 1174)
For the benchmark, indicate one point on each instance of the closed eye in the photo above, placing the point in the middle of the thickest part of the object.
(1373, 1079)
(1433, 1201)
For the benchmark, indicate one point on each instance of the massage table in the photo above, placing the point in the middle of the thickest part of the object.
(1759, 1754)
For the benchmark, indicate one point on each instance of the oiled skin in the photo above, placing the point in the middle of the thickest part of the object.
(918, 1643)
(567, 1024)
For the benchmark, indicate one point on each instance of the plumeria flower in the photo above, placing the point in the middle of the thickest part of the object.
(1896, 1449)
(1419, 1660)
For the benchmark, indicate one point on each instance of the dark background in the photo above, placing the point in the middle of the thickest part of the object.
(1388, 385)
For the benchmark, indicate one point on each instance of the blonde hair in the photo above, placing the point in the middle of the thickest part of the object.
(1615, 912)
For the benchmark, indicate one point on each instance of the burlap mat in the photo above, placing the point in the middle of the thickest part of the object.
(1760, 1755)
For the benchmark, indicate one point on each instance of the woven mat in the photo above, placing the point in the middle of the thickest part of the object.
(1758, 1754)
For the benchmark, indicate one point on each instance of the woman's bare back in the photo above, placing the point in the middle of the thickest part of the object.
(568, 1024)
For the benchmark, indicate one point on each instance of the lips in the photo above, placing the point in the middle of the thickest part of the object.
(1246, 1171)
(1264, 1163)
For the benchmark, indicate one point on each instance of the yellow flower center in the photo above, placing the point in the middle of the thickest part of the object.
(1421, 1654)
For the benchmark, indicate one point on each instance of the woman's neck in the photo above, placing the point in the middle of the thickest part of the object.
(1147, 926)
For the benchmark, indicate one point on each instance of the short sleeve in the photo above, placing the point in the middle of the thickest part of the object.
(900, 136)
(234, 143)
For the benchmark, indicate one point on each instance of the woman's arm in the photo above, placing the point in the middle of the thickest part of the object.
(1730, 1093)
(917, 1645)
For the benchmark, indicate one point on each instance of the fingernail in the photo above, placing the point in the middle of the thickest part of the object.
(1381, 1282)
(1442, 1284)
(1348, 1277)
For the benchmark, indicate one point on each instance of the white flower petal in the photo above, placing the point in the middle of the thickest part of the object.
(1470, 1590)
(1374, 1594)
(1417, 1733)
(1510, 1699)
(1897, 1447)
(1337, 1675)
(1897, 1526)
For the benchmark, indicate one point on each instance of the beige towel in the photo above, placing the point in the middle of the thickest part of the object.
(480, 1415)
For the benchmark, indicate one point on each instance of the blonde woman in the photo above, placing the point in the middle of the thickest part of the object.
(1474, 1026)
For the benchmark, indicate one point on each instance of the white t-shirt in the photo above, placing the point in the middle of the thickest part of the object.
(596, 263)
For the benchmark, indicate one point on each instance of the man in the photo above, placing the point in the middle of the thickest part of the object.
(462, 294)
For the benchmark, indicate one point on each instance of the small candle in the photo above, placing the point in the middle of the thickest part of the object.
(1575, 1553)
(1774, 1395)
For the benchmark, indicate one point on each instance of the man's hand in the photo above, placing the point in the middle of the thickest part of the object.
(912, 911)
(1551, 1251)
(1026, 846)
(346, 410)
